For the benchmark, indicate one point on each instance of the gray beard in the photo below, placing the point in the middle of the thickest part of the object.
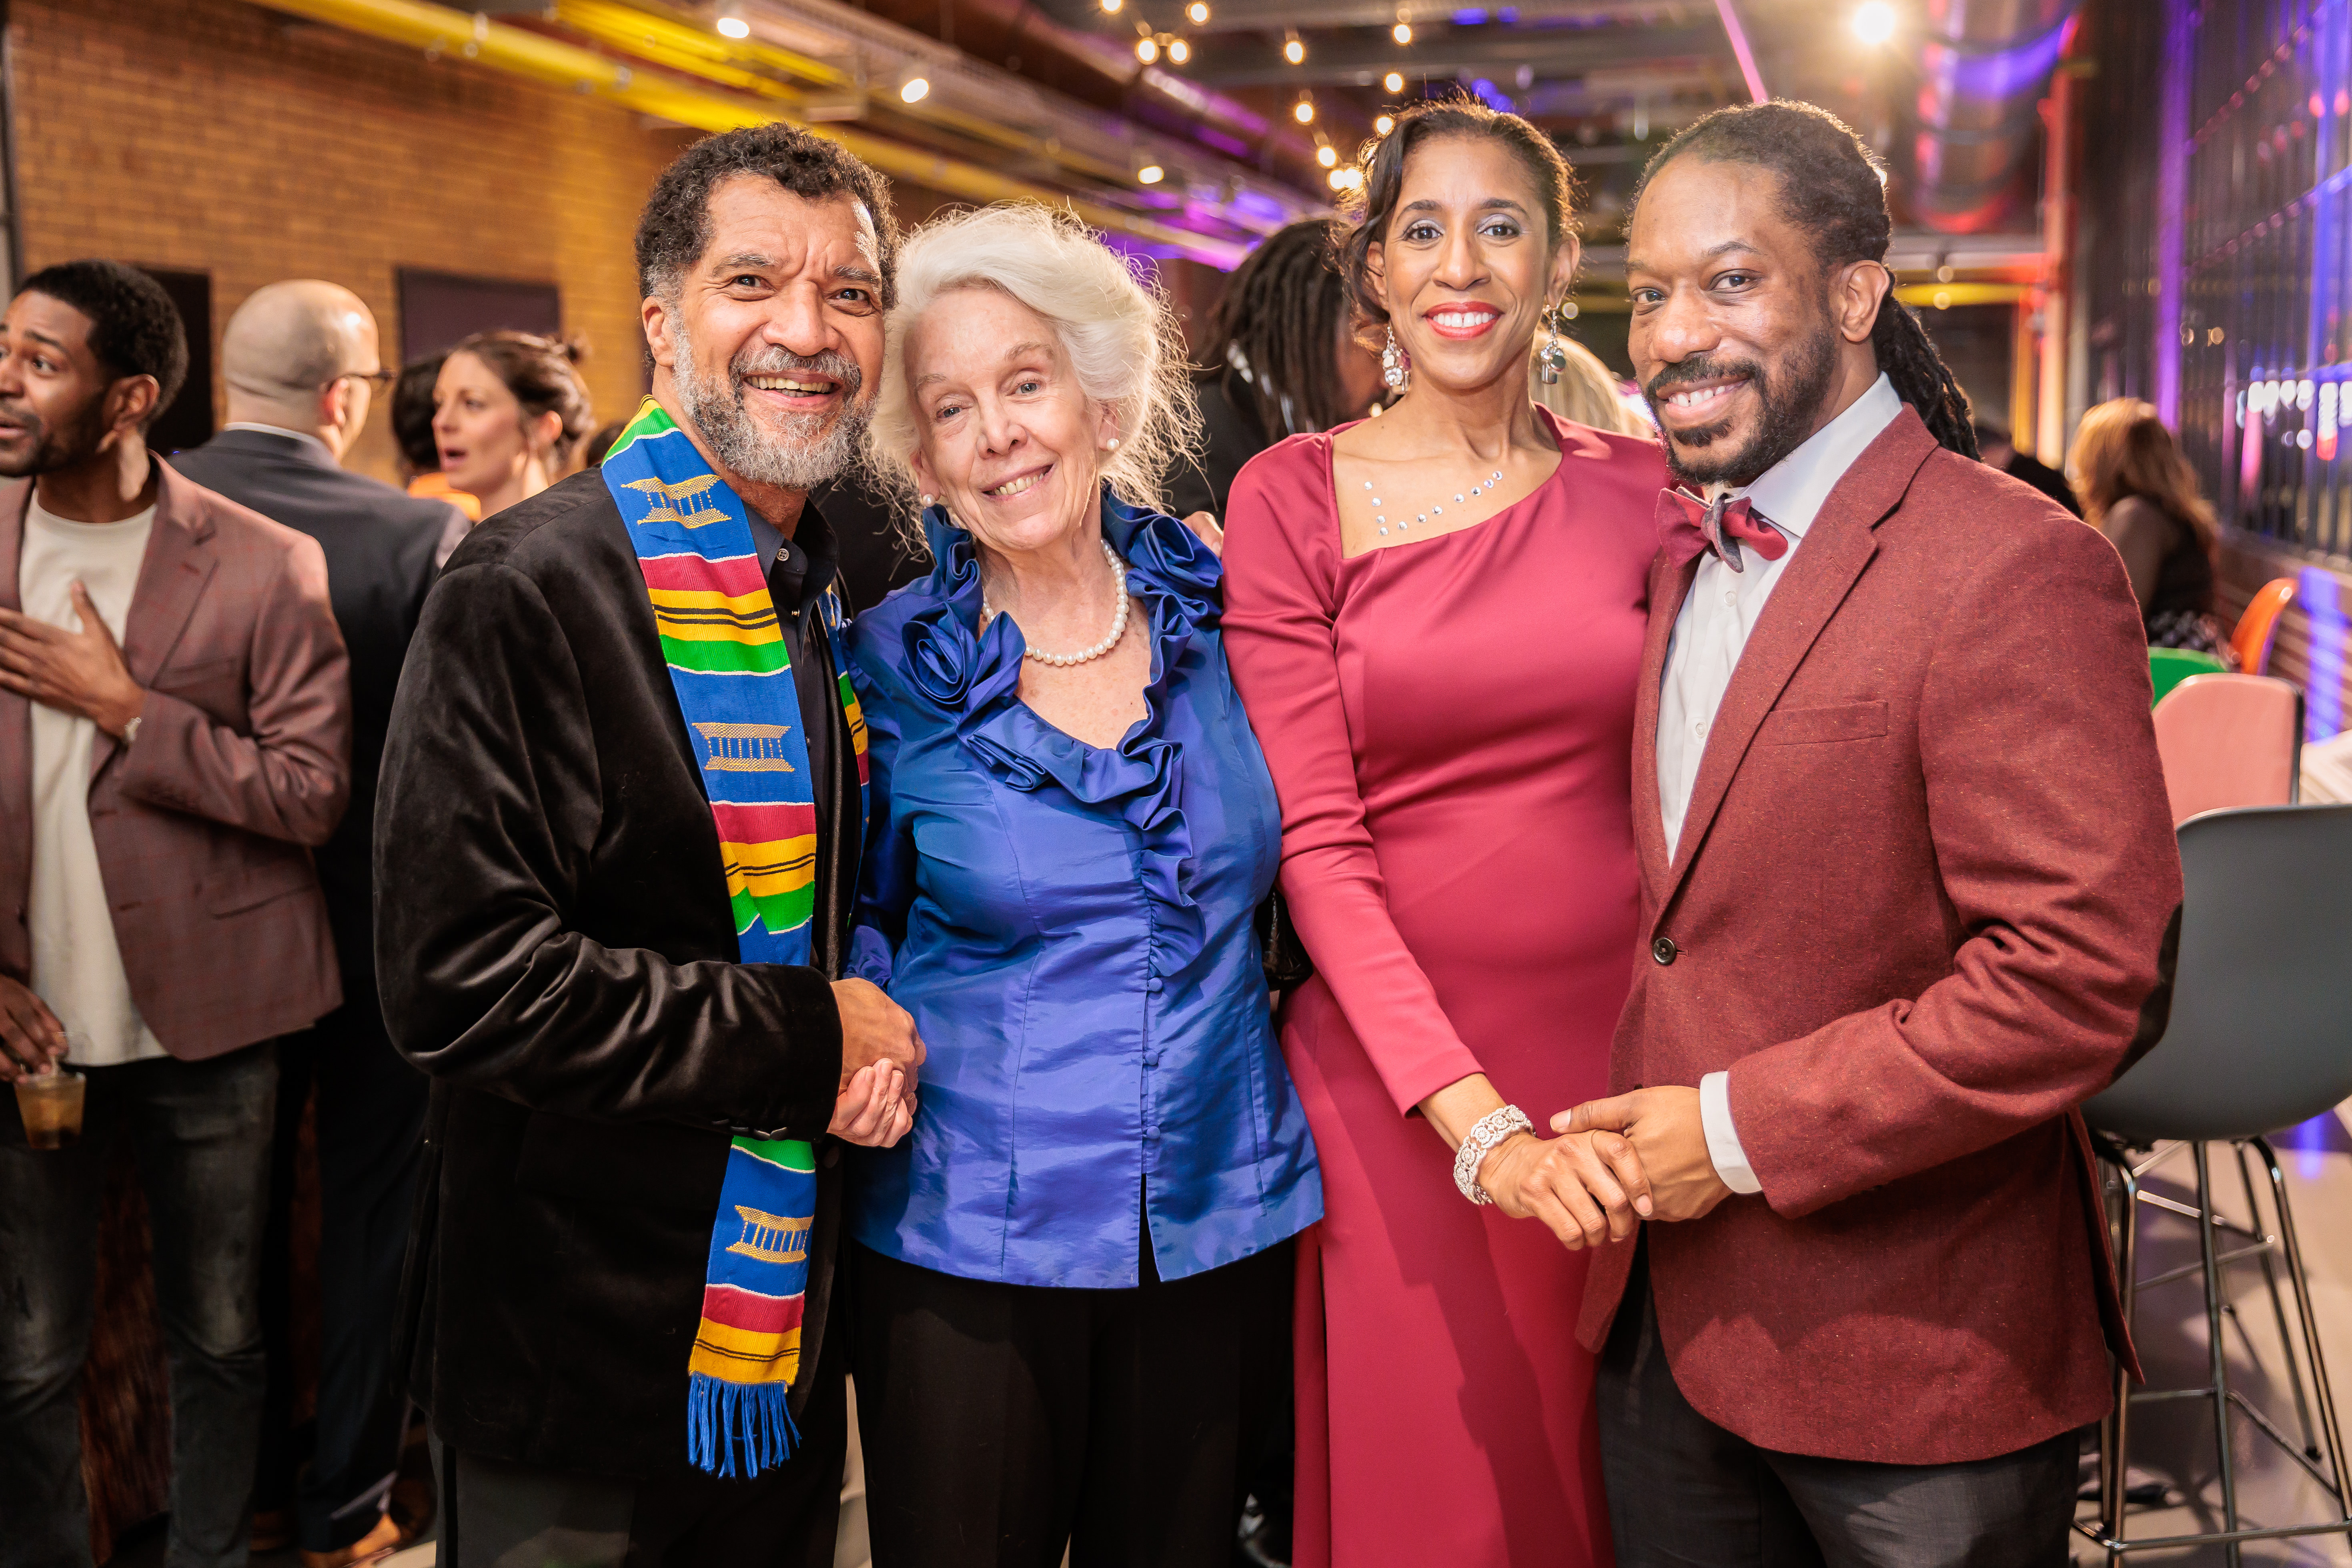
(806, 453)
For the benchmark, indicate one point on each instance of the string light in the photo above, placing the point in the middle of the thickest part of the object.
(734, 26)
(914, 90)
(1112, 5)
(1346, 179)
(1393, 81)
(1384, 124)
(1151, 175)
(1303, 111)
(1326, 156)
(1402, 32)
(1197, 12)
(1294, 51)
(1145, 50)
(1179, 50)
(1874, 22)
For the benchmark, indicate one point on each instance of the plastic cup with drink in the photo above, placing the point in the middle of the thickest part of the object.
(50, 1102)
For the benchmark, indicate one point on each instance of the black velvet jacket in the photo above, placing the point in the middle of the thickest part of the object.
(557, 952)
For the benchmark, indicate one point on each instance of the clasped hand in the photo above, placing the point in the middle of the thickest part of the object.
(1617, 1161)
(880, 1052)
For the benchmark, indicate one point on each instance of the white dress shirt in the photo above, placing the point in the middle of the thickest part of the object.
(77, 962)
(1710, 633)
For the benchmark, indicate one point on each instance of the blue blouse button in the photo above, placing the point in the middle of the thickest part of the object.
(1155, 984)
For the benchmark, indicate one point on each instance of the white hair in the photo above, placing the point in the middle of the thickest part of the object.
(1117, 330)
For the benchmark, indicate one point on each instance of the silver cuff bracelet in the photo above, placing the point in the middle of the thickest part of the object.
(1491, 1130)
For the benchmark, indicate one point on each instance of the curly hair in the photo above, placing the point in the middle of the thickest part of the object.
(1122, 338)
(1834, 188)
(1372, 208)
(1274, 338)
(135, 328)
(674, 227)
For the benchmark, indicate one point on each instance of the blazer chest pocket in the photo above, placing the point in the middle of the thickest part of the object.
(1813, 726)
(653, 1165)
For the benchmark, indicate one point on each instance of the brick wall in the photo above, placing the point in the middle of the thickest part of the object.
(215, 136)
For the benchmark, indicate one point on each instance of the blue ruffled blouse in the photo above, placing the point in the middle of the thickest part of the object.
(1070, 926)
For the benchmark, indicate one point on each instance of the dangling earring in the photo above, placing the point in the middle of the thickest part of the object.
(1396, 365)
(1552, 358)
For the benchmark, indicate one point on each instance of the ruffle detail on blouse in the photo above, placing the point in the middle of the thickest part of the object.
(976, 677)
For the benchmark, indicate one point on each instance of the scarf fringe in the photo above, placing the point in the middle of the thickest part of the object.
(725, 1418)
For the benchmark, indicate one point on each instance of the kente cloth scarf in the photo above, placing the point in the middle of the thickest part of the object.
(733, 679)
(1689, 527)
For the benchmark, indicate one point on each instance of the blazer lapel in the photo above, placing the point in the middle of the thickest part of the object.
(1835, 550)
(172, 579)
(1669, 585)
(15, 713)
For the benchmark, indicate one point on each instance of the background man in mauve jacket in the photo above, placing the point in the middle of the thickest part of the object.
(174, 740)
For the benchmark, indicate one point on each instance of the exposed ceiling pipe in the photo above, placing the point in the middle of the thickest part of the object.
(442, 32)
(868, 57)
(1983, 64)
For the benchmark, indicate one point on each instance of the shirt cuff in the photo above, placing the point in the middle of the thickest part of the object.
(1722, 1137)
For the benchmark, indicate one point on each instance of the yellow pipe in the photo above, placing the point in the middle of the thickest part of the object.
(681, 45)
(439, 30)
(1945, 296)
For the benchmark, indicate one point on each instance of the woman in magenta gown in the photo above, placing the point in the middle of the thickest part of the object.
(1436, 619)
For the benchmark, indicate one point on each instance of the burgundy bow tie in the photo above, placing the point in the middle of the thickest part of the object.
(1689, 527)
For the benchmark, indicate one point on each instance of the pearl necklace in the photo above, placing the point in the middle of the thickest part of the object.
(989, 612)
(1381, 520)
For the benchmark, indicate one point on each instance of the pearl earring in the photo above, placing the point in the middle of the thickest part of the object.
(927, 499)
(1112, 445)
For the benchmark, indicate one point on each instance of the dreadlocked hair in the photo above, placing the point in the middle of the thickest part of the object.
(1832, 188)
(1273, 338)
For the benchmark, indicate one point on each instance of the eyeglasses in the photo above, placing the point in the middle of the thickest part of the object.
(381, 380)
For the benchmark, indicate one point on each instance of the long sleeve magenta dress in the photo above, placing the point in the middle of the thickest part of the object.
(1449, 723)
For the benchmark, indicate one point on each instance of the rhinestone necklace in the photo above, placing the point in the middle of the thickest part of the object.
(989, 612)
(1379, 519)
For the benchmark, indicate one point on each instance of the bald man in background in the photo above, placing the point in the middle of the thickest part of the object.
(301, 365)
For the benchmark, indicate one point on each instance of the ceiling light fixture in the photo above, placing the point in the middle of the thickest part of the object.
(1197, 12)
(733, 26)
(1384, 124)
(1179, 50)
(1293, 50)
(1874, 22)
(1393, 81)
(1147, 50)
(1151, 175)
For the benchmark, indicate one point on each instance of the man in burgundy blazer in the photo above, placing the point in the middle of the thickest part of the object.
(174, 740)
(1908, 883)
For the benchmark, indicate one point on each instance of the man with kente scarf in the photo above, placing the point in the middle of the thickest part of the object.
(621, 815)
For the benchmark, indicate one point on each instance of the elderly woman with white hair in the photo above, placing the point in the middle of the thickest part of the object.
(1073, 1277)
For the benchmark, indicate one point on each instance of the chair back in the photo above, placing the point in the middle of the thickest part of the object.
(2168, 667)
(2229, 741)
(2258, 628)
(2260, 1036)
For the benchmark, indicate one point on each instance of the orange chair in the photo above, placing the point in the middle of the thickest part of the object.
(2229, 741)
(2258, 628)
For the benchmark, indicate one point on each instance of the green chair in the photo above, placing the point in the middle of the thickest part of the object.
(2168, 667)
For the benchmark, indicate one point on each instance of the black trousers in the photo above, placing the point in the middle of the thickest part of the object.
(1685, 1493)
(1001, 1421)
(370, 1133)
(496, 1514)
